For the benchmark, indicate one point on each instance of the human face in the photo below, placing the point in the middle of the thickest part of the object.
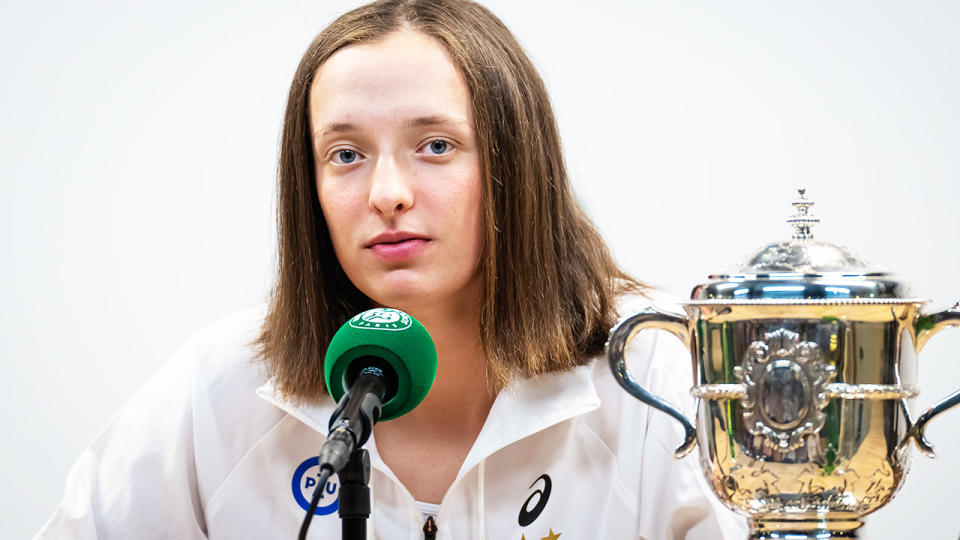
(398, 172)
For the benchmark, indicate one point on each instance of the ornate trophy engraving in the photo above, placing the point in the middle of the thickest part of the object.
(805, 365)
(785, 383)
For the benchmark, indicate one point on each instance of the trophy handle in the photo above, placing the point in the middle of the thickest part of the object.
(620, 337)
(926, 326)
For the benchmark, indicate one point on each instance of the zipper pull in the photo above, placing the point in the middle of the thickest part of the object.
(430, 529)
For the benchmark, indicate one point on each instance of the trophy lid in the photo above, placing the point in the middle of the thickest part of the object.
(802, 268)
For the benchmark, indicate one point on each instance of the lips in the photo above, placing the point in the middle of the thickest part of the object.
(395, 237)
(397, 246)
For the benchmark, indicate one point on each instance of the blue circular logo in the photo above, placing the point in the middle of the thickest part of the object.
(305, 481)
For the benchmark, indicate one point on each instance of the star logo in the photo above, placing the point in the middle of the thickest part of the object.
(551, 536)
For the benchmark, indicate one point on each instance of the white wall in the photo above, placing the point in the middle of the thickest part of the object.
(137, 150)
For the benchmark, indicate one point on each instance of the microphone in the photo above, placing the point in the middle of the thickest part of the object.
(379, 366)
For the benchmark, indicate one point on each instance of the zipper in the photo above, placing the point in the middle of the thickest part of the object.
(430, 529)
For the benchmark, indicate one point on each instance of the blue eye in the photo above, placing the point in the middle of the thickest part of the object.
(438, 146)
(346, 155)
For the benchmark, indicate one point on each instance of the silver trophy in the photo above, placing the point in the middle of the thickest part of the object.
(804, 362)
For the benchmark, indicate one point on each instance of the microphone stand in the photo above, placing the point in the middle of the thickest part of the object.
(350, 427)
(354, 508)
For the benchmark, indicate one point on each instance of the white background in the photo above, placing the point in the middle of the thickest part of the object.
(138, 148)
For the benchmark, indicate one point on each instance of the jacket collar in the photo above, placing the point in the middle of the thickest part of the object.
(529, 406)
(524, 408)
(314, 415)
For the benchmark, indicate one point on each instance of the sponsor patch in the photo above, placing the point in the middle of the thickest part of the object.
(305, 482)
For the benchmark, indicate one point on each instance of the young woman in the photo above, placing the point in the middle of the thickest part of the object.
(420, 169)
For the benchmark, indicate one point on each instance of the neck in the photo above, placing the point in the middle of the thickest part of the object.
(459, 401)
(459, 394)
(446, 424)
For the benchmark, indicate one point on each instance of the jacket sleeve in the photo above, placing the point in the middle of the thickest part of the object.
(138, 478)
(675, 501)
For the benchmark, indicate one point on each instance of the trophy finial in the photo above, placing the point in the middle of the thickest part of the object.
(803, 220)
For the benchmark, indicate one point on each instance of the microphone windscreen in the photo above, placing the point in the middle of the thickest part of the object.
(398, 339)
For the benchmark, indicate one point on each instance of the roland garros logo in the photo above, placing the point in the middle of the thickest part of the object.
(382, 319)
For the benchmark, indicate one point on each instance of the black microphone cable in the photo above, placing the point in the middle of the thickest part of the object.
(324, 475)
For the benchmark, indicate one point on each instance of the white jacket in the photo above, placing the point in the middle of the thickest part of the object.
(206, 449)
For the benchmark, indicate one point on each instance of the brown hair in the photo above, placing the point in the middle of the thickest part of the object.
(549, 280)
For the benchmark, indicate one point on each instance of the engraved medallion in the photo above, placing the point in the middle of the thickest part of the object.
(785, 382)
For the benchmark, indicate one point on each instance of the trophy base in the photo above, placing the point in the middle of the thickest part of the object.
(800, 526)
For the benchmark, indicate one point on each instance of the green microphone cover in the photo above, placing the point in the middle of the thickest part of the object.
(398, 339)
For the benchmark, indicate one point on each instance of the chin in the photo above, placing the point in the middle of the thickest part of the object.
(398, 294)
(411, 291)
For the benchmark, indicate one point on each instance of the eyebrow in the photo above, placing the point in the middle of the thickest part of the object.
(337, 127)
(427, 121)
(420, 121)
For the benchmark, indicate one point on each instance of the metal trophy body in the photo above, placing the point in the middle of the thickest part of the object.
(805, 361)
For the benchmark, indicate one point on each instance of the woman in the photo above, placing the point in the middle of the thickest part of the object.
(420, 169)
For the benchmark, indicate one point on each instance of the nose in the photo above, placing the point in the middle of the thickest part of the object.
(390, 189)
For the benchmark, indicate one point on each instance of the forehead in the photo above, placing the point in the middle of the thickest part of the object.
(407, 73)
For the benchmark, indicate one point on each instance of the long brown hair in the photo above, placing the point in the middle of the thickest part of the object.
(549, 280)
